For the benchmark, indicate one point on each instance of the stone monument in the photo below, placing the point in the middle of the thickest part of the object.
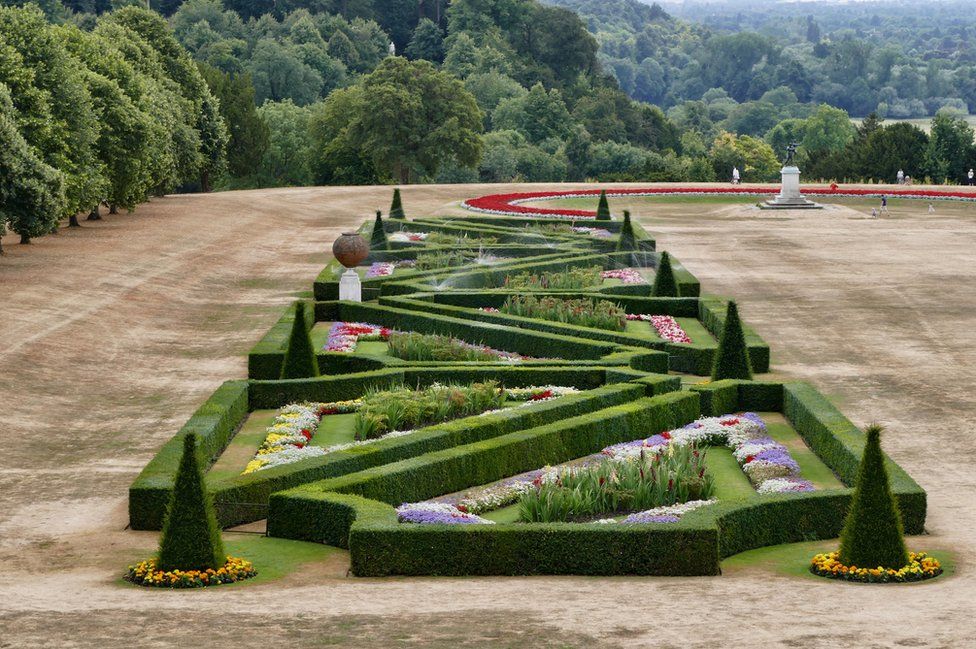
(350, 249)
(789, 197)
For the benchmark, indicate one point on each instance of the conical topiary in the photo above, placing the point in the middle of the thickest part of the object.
(396, 207)
(732, 355)
(300, 361)
(603, 207)
(664, 282)
(873, 534)
(627, 240)
(191, 536)
(378, 239)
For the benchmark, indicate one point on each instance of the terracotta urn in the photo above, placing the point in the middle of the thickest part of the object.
(350, 249)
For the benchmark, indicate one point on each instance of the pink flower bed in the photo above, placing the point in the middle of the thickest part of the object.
(667, 327)
(625, 275)
(380, 269)
(510, 204)
(343, 336)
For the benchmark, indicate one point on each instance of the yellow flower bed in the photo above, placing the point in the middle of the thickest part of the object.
(920, 566)
(145, 573)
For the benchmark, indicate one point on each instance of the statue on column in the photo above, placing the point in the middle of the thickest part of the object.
(790, 154)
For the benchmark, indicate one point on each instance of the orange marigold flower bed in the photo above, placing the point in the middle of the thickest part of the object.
(920, 567)
(145, 573)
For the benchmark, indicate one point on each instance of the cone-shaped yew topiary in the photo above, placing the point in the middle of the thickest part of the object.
(664, 282)
(627, 240)
(378, 239)
(300, 361)
(873, 534)
(732, 355)
(396, 207)
(603, 207)
(191, 536)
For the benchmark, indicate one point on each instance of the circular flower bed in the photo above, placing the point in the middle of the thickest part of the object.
(920, 567)
(145, 573)
(510, 204)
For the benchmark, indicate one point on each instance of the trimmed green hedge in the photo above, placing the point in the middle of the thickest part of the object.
(214, 424)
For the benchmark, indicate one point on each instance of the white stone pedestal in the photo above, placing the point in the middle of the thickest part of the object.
(350, 288)
(789, 197)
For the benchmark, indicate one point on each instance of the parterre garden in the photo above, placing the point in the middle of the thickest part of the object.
(521, 395)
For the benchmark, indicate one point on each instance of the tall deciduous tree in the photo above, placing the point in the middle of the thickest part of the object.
(248, 132)
(427, 42)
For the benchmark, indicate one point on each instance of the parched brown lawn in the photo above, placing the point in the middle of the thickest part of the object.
(111, 335)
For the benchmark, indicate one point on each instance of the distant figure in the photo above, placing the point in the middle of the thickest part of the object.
(833, 187)
(971, 177)
(392, 48)
(908, 180)
(735, 175)
(884, 205)
(931, 208)
(901, 177)
(790, 153)
(874, 212)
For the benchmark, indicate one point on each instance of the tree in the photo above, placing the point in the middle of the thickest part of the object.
(213, 141)
(627, 241)
(341, 48)
(191, 537)
(249, 134)
(300, 361)
(396, 207)
(872, 534)
(753, 157)
(732, 355)
(950, 147)
(603, 207)
(288, 160)
(335, 158)
(665, 284)
(377, 240)
(427, 42)
(416, 119)
(828, 130)
(278, 74)
(31, 192)
(539, 115)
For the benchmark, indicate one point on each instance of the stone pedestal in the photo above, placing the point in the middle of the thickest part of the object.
(789, 197)
(350, 288)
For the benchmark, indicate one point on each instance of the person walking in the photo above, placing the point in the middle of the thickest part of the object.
(972, 177)
(884, 205)
(901, 177)
(735, 175)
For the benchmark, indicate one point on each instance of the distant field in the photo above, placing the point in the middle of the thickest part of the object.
(924, 123)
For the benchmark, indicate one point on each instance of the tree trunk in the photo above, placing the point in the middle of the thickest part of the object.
(205, 182)
(404, 175)
(24, 239)
(73, 221)
(113, 209)
(94, 215)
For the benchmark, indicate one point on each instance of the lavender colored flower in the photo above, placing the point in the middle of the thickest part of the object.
(647, 517)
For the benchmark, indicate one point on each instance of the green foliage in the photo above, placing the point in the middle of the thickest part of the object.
(627, 240)
(754, 158)
(451, 259)
(249, 134)
(413, 346)
(300, 361)
(603, 207)
(948, 156)
(600, 314)
(377, 240)
(616, 487)
(427, 42)
(664, 282)
(872, 535)
(396, 206)
(191, 537)
(574, 278)
(290, 154)
(732, 358)
(385, 411)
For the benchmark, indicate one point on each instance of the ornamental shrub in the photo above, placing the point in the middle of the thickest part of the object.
(664, 282)
(377, 240)
(300, 361)
(396, 207)
(872, 534)
(627, 240)
(191, 537)
(603, 208)
(732, 356)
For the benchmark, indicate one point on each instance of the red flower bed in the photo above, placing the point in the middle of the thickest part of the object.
(510, 204)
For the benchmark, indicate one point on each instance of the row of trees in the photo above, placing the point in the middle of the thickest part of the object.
(112, 115)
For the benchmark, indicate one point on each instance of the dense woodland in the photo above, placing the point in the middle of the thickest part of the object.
(102, 103)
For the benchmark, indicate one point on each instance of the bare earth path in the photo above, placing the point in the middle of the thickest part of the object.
(111, 335)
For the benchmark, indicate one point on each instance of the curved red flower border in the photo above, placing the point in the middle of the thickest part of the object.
(510, 204)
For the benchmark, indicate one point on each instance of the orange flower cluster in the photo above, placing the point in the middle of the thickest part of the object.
(920, 566)
(145, 573)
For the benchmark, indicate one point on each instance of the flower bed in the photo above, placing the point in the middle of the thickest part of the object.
(410, 346)
(343, 336)
(625, 275)
(599, 233)
(145, 573)
(408, 237)
(511, 204)
(600, 314)
(287, 438)
(667, 327)
(575, 278)
(920, 566)
(380, 269)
